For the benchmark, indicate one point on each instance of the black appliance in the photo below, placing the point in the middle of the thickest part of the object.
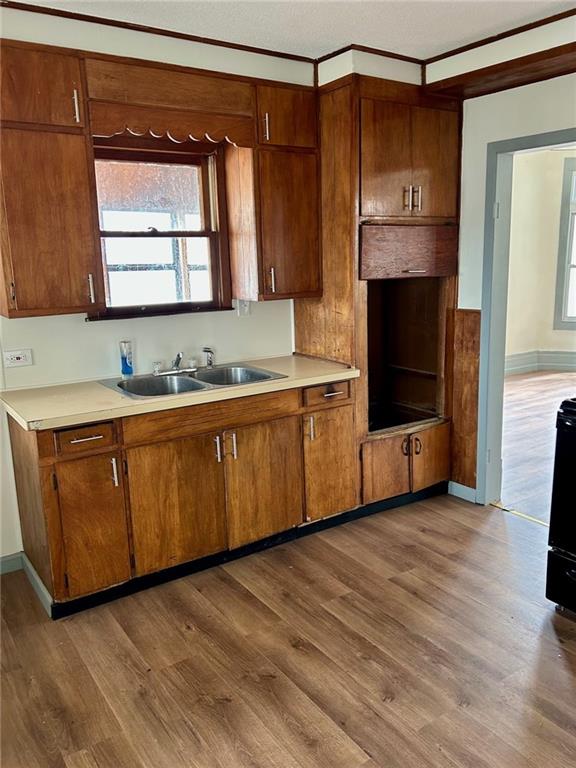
(561, 574)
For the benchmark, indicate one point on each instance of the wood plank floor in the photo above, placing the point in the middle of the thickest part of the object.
(531, 402)
(415, 638)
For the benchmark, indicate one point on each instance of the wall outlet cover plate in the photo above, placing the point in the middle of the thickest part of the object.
(14, 358)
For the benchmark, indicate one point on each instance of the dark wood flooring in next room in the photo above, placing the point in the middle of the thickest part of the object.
(531, 402)
(414, 638)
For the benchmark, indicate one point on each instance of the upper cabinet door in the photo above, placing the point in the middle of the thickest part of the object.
(435, 149)
(286, 116)
(52, 246)
(40, 87)
(386, 159)
(289, 224)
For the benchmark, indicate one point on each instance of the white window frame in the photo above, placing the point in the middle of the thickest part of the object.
(562, 321)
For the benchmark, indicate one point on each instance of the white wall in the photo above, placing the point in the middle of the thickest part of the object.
(532, 109)
(534, 233)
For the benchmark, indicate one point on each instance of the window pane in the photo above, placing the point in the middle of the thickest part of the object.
(138, 288)
(200, 279)
(133, 264)
(138, 250)
(571, 299)
(149, 188)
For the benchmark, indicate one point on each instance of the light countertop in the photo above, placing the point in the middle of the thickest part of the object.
(84, 402)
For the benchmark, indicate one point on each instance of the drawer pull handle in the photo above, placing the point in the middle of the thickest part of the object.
(414, 271)
(86, 439)
(334, 394)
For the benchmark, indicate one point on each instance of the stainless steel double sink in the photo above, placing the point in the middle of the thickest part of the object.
(201, 380)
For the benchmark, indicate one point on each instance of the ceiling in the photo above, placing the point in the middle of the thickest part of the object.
(419, 28)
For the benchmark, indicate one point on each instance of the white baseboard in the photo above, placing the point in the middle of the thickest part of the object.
(462, 492)
(9, 563)
(540, 360)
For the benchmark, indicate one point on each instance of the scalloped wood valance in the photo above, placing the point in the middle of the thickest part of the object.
(108, 120)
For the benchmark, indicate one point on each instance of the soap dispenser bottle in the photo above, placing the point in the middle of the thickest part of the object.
(126, 358)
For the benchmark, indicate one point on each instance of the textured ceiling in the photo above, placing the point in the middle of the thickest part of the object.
(420, 28)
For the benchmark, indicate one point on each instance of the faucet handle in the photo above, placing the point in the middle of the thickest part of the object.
(210, 356)
(177, 360)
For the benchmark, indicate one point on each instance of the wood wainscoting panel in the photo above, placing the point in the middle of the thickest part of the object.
(466, 371)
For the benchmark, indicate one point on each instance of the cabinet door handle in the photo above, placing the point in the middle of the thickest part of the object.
(312, 429)
(417, 446)
(218, 449)
(115, 473)
(414, 271)
(334, 394)
(266, 126)
(418, 192)
(234, 446)
(86, 439)
(91, 288)
(272, 279)
(406, 446)
(408, 193)
(76, 103)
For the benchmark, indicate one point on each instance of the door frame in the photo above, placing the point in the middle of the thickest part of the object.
(497, 221)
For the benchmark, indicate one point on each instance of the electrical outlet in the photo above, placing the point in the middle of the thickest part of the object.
(14, 358)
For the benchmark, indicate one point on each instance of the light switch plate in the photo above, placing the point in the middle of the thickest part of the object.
(14, 358)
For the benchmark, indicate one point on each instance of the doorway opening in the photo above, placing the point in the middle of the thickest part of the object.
(528, 339)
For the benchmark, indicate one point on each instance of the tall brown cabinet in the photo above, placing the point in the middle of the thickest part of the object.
(390, 170)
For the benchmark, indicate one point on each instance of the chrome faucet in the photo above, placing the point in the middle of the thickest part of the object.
(174, 368)
(210, 357)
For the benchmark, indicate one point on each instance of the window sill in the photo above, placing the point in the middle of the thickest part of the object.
(159, 310)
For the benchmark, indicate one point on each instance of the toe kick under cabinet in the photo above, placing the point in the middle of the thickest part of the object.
(107, 502)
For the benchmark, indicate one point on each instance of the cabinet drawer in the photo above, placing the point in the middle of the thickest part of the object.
(334, 393)
(86, 438)
(408, 251)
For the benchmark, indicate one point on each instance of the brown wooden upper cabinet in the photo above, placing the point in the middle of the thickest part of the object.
(41, 87)
(272, 198)
(409, 160)
(51, 257)
(287, 116)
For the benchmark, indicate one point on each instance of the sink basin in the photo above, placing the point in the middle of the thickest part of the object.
(155, 386)
(230, 375)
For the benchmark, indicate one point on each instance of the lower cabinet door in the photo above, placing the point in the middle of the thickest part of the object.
(264, 485)
(177, 501)
(330, 465)
(94, 525)
(385, 468)
(430, 452)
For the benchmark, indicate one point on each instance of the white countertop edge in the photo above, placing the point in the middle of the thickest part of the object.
(131, 407)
